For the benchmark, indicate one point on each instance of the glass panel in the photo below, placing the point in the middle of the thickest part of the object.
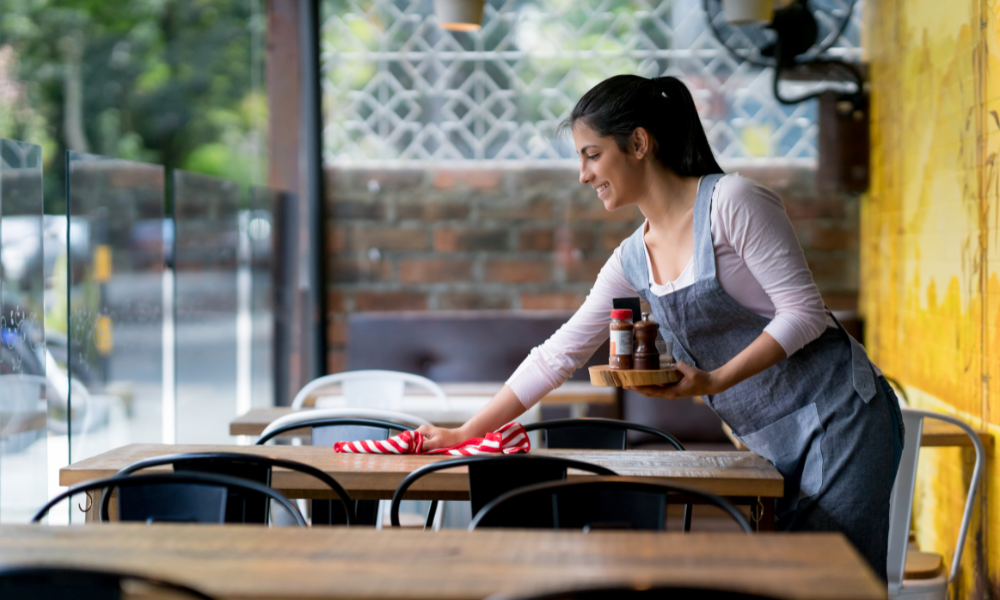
(206, 242)
(23, 431)
(261, 233)
(115, 335)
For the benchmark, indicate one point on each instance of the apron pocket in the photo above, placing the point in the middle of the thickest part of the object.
(791, 443)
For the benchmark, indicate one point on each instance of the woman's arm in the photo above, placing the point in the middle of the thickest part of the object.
(548, 365)
(762, 354)
(501, 409)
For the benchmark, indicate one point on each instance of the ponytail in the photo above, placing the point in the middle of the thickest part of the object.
(662, 106)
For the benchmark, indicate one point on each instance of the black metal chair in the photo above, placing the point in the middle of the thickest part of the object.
(594, 434)
(640, 593)
(601, 434)
(241, 507)
(341, 429)
(173, 497)
(492, 476)
(598, 504)
(61, 583)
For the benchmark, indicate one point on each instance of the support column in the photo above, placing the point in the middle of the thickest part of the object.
(295, 165)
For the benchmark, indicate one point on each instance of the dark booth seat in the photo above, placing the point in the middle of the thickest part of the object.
(449, 346)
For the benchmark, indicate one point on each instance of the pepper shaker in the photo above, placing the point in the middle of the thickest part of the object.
(647, 357)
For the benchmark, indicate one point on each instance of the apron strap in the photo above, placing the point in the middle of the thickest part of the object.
(704, 249)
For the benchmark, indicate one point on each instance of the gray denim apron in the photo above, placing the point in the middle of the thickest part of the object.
(810, 415)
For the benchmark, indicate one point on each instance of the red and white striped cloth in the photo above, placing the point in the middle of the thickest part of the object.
(509, 439)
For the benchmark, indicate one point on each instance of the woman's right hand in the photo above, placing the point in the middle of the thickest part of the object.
(439, 437)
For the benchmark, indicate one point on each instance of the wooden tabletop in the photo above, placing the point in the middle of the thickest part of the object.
(13, 422)
(237, 562)
(466, 400)
(365, 476)
(934, 434)
(571, 392)
(941, 433)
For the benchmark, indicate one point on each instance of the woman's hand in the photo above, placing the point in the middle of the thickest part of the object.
(439, 437)
(694, 382)
(762, 354)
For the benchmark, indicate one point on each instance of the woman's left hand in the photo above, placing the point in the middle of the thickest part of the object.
(694, 382)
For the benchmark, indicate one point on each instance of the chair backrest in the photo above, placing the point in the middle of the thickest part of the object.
(326, 431)
(241, 507)
(901, 502)
(372, 388)
(639, 593)
(594, 434)
(60, 583)
(204, 505)
(326, 436)
(599, 503)
(491, 476)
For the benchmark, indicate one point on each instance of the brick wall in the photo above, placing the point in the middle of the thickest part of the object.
(529, 239)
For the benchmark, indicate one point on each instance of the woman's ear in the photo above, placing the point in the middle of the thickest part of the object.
(640, 143)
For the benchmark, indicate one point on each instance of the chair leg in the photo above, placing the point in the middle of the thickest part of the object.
(688, 509)
(431, 512)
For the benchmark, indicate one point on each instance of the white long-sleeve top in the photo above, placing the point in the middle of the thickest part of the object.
(758, 262)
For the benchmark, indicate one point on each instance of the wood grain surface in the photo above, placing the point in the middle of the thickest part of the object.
(605, 376)
(13, 422)
(239, 562)
(571, 392)
(922, 565)
(940, 433)
(935, 434)
(369, 476)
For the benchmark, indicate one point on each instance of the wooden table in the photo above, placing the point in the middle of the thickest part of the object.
(741, 476)
(940, 433)
(236, 562)
(935, 434)
(466, 399)
(21, 421)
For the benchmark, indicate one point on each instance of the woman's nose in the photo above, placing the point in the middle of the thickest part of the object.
(585, 175)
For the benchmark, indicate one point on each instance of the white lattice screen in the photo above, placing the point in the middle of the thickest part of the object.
(397, 88)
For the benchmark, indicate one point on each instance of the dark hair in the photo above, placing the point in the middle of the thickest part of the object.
(663, 106)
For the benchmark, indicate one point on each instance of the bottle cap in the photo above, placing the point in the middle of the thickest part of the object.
(622, 313)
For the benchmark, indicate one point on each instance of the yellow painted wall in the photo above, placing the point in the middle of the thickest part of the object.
(931, 246)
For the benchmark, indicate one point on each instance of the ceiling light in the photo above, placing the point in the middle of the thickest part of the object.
(459, 15)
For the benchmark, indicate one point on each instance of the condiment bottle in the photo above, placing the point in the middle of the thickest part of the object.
(621, 339)
(647, 357)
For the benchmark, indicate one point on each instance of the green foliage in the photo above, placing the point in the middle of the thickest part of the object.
(175, 82)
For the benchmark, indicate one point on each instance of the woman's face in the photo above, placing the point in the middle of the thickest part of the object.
(616, 176)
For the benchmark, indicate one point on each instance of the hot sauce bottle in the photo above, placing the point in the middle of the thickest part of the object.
(621, 339)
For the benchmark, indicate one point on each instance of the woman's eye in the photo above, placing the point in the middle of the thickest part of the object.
(592, 156)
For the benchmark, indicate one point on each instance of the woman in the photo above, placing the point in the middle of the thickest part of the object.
(720, 265)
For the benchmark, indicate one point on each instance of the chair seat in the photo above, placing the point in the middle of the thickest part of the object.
(923, 565)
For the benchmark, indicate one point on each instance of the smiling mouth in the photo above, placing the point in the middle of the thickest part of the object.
(600, 189)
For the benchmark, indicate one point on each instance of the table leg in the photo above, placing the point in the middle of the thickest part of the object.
(765, 512)
(91, 510)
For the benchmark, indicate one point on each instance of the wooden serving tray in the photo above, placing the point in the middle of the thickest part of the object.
(605, 376)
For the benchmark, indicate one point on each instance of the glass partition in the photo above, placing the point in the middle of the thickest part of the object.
(262, 234)
(113, 342)
(205, 264)
(23, 404)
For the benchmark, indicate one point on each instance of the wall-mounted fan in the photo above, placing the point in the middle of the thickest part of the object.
(784, 34)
